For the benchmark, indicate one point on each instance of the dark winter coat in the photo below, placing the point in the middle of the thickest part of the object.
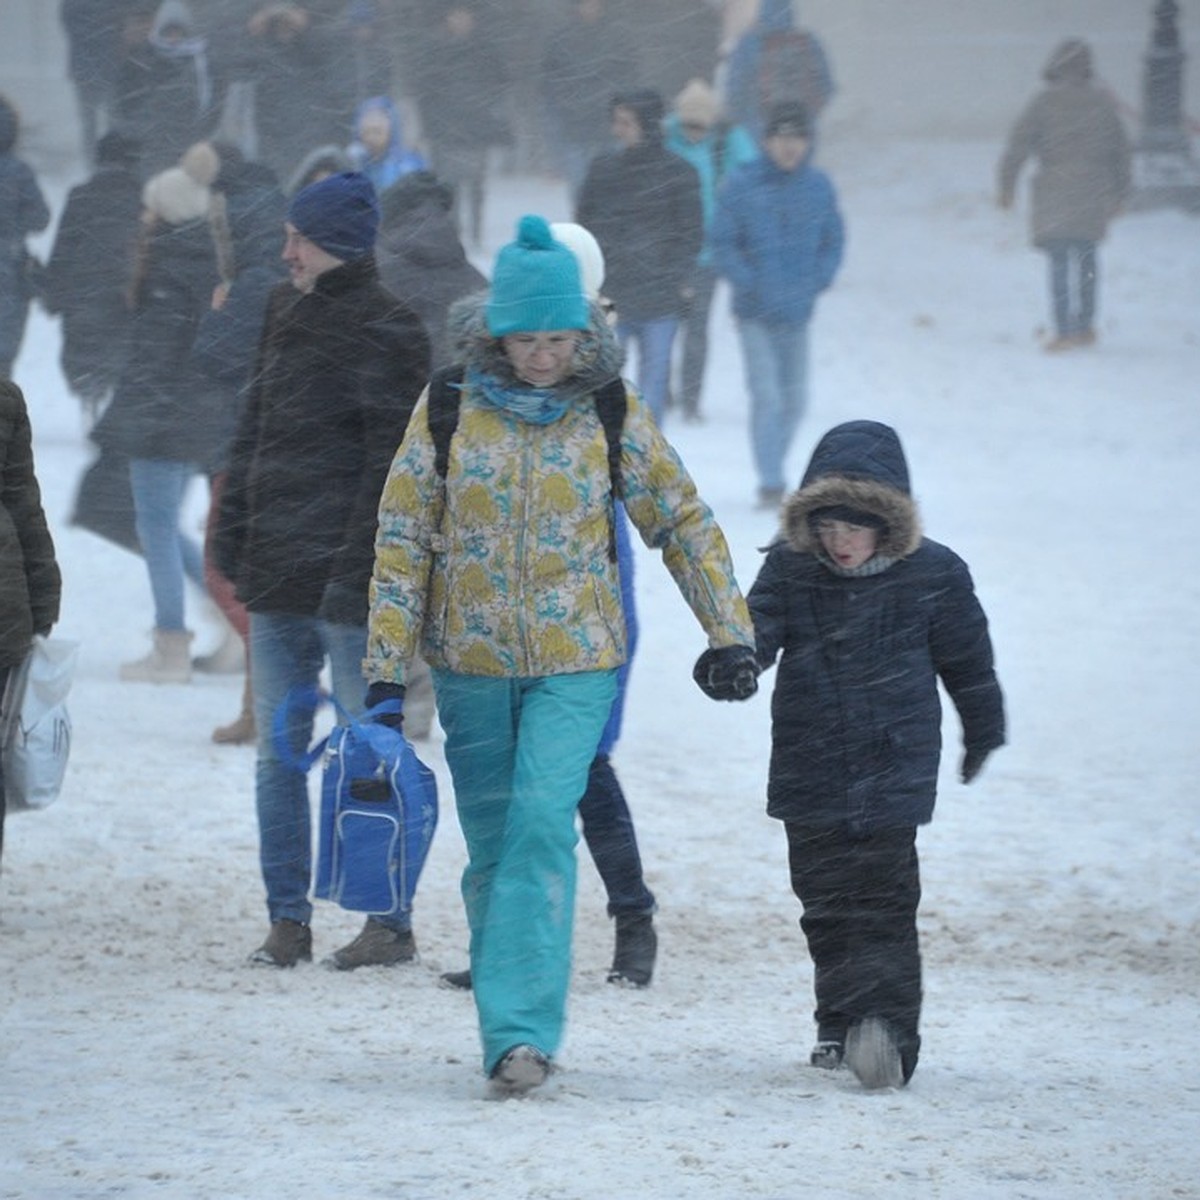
(88, 277)
(227, 339)
(339, 371)
(23, 211)
(460, 88)
(643, 206)
(856, 717)
(30, 583)
(778, 238)
(421, 258)
(1083, 161)
(157, 410)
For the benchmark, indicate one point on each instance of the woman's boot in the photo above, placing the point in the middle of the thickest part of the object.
(242, 730)
(170, 661)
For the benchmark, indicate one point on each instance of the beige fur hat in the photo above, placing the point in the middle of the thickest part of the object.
(180, 194)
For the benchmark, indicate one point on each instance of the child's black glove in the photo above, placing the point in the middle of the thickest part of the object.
(727, 673)
(379, 692)
(972, 764)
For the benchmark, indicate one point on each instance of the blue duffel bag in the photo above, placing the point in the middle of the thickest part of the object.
(378, 807)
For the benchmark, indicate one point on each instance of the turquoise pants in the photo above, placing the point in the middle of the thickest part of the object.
(519, 752)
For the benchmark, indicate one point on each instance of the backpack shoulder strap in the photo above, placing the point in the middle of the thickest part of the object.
(611, 404)
(442, 413)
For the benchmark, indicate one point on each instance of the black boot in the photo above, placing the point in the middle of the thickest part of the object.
(637, 948)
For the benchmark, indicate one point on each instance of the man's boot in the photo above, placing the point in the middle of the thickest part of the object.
(636, 950)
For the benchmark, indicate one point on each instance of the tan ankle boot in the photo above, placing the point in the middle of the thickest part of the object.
(242, 729)
(170, 661)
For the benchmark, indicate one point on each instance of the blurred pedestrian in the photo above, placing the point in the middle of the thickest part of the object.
(870, 617)
(1073, 131)
(510, 589)
(378, 149)
(156, 418)
(23, 210)
(643, 205)
(587, 59)
(93, 33)
(30, 581)
(90, 272)
(461, 92)
(777, 237)
(698, 133)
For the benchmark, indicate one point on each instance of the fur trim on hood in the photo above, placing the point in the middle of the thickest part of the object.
(597, 360)
(858, 465)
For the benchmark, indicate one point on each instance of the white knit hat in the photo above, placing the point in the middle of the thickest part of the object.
(587, 253)
(180, 194)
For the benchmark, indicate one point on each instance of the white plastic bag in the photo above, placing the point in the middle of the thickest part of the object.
(35, 725)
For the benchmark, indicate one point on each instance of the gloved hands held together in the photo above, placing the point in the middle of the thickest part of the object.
(727, 673)
(380, 692)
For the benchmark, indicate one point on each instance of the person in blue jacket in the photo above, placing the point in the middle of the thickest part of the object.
(778, 238)
(378, 150)
(696, 131)
(869, 616)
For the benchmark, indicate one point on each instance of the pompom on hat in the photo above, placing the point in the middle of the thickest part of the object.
(536, 284)
(340, 214)
(183, 193)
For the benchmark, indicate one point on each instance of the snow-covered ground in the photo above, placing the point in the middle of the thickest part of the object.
(1061, 921)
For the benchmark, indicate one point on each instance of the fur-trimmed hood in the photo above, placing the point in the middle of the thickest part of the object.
(597, 360)
(858, 465)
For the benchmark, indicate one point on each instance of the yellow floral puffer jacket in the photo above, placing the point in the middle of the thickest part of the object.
(515, 580)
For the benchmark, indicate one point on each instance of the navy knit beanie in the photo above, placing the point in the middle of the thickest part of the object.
(340, 214)
(535, 284)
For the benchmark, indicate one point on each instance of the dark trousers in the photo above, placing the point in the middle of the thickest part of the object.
(693, 333)
(3, 803)
(612, 842)
(1072, 284)
(860, 897)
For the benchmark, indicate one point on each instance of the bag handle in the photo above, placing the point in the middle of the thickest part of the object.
(304, 699)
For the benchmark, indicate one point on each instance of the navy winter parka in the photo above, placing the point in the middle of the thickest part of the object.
(856, 716)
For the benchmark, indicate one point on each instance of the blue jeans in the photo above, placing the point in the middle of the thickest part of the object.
(158, 486)
(519, 752)
(775, 362)
(287, 650)
(1072, 284)
(654, 341)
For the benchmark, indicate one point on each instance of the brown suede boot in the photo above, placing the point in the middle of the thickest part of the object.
(242, 730)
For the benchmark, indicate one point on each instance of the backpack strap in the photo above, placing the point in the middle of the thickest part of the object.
(611, 403)
(442, 413)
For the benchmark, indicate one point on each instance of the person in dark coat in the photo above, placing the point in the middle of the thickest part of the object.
(460, 90)
(90, 270)
(93, 33)
(23, 210)
(30, 582)
(223, 355)
(339, 368)
(1073, 130)
(165, 97)
(156, 418)
(869, 615)
(586, 61)
(642, 203)
(421, 258)
(303, 85)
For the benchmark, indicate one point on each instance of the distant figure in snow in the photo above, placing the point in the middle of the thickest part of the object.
(1073, 130)
(378, 150)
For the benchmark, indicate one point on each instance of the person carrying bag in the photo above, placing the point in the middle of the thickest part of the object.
(30, 581)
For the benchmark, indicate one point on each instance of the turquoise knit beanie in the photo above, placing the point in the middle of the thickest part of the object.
(535, 284)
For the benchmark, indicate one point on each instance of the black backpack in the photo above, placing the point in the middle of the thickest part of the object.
(442, 416)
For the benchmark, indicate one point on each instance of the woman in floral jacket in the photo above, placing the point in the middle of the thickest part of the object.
(501, 576)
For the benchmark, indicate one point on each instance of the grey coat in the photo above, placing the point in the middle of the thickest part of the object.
(1083, 161)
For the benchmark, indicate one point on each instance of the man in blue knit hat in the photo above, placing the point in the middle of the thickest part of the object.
(340, 366)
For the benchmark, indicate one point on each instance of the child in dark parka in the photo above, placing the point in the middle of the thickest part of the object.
(868, 615)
